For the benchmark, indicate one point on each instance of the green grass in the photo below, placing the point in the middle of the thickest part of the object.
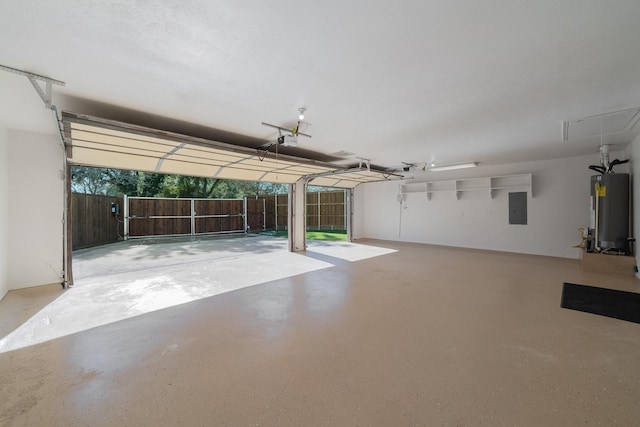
(333, 235)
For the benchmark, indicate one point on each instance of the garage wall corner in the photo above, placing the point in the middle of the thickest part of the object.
(35, 203)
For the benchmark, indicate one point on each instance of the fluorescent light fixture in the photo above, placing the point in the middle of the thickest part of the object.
(453, 167)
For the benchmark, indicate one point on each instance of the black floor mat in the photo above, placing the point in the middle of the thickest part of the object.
(605, 302)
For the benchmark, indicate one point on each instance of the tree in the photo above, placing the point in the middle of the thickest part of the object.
(189, 186)
(259, 189)
(123, 182)
(133, 183)
(151, 184)
(116, 182)
(88, 180)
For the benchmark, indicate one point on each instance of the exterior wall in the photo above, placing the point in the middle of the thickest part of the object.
(559, 206)
(35, 209)
(4, 210)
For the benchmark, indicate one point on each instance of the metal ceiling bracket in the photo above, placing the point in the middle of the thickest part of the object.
(367, 162)
(46, 93)
(386, 175)
(45, 96)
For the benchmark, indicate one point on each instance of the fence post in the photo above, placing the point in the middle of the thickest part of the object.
(193, 217)
(126, 217)
(344, 202)
(244, 215)
(264, 214)
(276, 209)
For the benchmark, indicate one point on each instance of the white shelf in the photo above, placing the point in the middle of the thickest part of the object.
(490, 184)
(420, 187)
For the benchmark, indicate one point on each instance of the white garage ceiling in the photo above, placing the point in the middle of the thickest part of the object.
(412, 81)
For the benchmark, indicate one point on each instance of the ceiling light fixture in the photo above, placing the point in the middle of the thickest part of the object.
(302, 110)
(453, 167)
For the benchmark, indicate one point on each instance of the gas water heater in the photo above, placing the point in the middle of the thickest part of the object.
(610, 211)
(609, 219)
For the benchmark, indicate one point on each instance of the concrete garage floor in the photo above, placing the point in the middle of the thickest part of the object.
(126, 279)
(377, 333)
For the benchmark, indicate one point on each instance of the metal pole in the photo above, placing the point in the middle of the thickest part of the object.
(597, 234)
(276, 204)
(344, 205)
(349, 213)
(264, 214)
(67, 219)
(67, 227)
(319, 227)
(193, 217)
(126, 217)
(244, 207)
(291, 218)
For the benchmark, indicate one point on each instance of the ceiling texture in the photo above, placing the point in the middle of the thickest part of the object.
(407, 81)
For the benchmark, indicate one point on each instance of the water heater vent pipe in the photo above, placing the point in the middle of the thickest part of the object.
(604, 156)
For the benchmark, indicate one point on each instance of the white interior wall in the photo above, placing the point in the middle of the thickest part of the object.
(4, 210)
(35, 209)
(559, 206)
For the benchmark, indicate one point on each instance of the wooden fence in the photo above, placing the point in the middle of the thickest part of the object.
(326, 210)
(261, 213)
(91, 220)
(149, 216)
(280, 211)
(93, 224)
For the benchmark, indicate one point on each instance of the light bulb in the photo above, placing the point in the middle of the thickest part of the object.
(301, 116)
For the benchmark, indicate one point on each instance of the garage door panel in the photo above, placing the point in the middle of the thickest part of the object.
(107, 143)
(169, 166)
(106, 159)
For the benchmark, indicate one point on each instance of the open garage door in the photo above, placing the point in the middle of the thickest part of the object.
(101, 143)
(105, 143)
(97, 142)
